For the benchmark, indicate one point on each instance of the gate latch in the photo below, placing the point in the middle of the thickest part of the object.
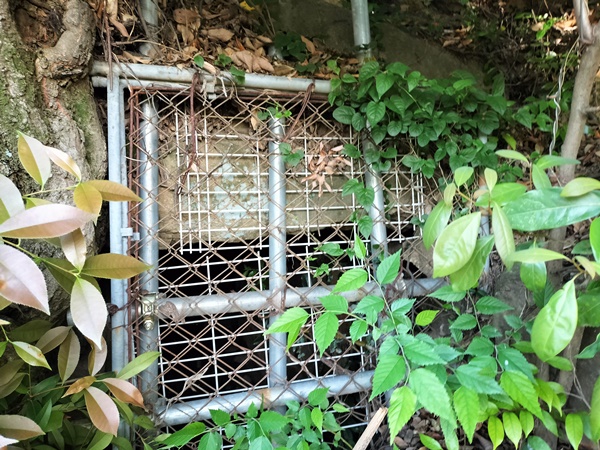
(148, 303)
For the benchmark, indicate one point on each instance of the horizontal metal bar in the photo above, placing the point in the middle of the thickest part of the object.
(176, 75)
(255, 301)
(183, 413)
(102, 82)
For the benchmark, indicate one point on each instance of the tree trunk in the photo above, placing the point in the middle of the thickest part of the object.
(45, 93)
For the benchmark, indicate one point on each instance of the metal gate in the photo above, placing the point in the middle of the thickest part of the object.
(235, 230)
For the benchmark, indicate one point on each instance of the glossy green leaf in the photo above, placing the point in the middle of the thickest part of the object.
(331, 248)
(68, 355)
(527, 422)
(375, 112)
(590, 267)
(495, 431)
(326, 327)
(555, 324)
(30, 331)
(456, 244)
(100, 441)
(343, 114)
(533, 276)
(435, 223)
(536, 443)
(358, 329)
(512, 427)
(588, 306)
(507, 192)
(462, 175)
(560, 363)
(468, 276)
(181, 437)
(511, 359)
(429, 442)
(30, 354)
(464, 322)
(595, 411)
(466, 405)
(403, 403)
(536, 255)
(549, 422)
(449, 192)
(540, 178)
(388, 269)
(545, 210)
(580, 186)
(521, 390)
(220, 418)
(574, 429)
(480, 346)
(503, 235)
(335, 303)
(420, 353)
(591, 350)
(360, 250)
(351, 280)
(390, 371)
(139, 364)
(512, 154)
(290, 322)
(113, 266)
(548, 161)
(491, 178)
(595, 238)
(431, 393)
(425, 317)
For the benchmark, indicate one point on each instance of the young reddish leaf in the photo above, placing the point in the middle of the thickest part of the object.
(74, 247)
(113, 266)
(30, 354)
(114, 192)
(124, 391)
(10, 199)
(21, 281)
(87, 198)
(102, 410)
(45, 221)
(68, 356)
(97, 357)
(79, 385)
(18, 427)
(52, 339)
(64, 161)
(34, 159)
(88, 310)
(4, 441)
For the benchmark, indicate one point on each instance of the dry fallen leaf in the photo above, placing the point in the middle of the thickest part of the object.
(220, 34)
(187, 34)
(309, 45)
(187, 17)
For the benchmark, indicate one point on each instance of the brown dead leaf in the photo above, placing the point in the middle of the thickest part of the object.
(208, 15)
(264, 63)
(136, 58)
(283, 70)
(119, 26)
(248, 44)
(537, 26)
(264, 39)
(309, 45)
(220, 34)
(112, 9)
(187, 34)
(187, 17)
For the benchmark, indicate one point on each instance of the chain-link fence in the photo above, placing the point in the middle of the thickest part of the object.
(237, 225)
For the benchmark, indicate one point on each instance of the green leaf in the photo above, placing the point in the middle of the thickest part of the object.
(491, 305)
(30, 331)
(521, 390)
(431, 393)
(413, 79)
(331, 249)
(513, 360)
(359, 121)
(289, 322)
(383, 83)
(548, 161)
(495, 431)
(429, 442)
(449, 192)
(368, 70)
(580, 186)
(447, 294)
(272, 421)
(533, 276)
(18, 428)
(425, 317)
(536, 255)
(390, 371)
(351, 280)
(335, 303)
(536, 443)
(316, 416)
(460, 85)
(388, 269)
(464, 322)
(403, 403)
(477, 379)
(545, 210)
(68, 355)
(326, 328)
(365, 226)
(591, 350)
(456, 244)
(343, 114)
(365, 197)
(574, 429)
(527, 422)
(420, 353)
(512, 427)
(480, 346)
(595, 238)
(540, 178)
(549, 422)
(220, 418)
(503, 235)
(595, 412)
(30, 354)
(589, 308)
(139, 364)
(554, 326)
(317, 396)
(375, 112)
(185, 435)
(468, 276)
(466, 405)
(113, 266)
(511, 154)
(462, 175)
(491, 178)
(358, 329)
(213, 440)
(199, 61)
(435, 223)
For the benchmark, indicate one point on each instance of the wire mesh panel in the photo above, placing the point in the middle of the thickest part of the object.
(214, 261)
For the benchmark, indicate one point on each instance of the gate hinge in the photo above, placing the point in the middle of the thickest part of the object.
(128, 232)
(148, 312)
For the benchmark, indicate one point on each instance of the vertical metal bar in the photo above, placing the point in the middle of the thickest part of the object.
(149, 238)
(118, 291)
(277, 251)
(362, 29)
(377, 210)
